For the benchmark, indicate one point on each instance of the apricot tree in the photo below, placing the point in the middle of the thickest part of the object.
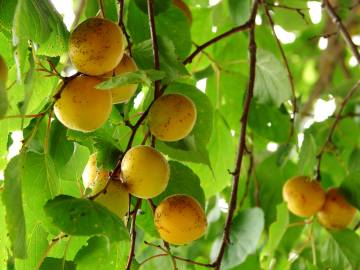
(179, 134)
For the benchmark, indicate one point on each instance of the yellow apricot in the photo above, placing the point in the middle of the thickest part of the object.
(83, 107)
(96, 46)
(336, 213)
(144, 171)
(181, 5)
(304, 197)
(180, 219)
(3, 70)
(123, 93)
(115, 198)
(172, 117)
(93, 177)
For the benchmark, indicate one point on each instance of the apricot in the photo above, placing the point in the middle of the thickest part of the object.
(96, 46)
(336, 213)
(180, 219)
(93, 177)
(172, 117)
(83, 107)
(3, 70)
(123, 93)
(181, 5)
(115, 198)
(144, 171)
(304, 197)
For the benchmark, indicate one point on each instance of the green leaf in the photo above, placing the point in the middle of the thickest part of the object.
(12, 199)
(246, 230)
(140, 76)
(4, 104)
(276, 232)
(307, 157)
(354, 161)
(272, 85)
(109, 256)
(351, 188)
(57, 264)
(7, 11)
(158, 6)
(239, 10)
(183, 181)
(85, 217)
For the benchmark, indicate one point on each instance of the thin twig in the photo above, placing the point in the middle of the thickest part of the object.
(133, 235)
(49, 248)
(152, 257)
(102, 10)
(289, 74)
(344, 32)
(122, 25)
(242, 138)
(248, 178)
(297, 10)
(333, 127)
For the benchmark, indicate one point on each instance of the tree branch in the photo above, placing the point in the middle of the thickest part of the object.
(338, 117)
(133, 235)
(286, 62)
(122, 25)
(344, 32)
(242, 138)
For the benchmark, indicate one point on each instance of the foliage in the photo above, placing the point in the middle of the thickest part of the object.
(48, 222)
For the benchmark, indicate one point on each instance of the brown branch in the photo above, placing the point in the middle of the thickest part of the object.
(242, 138)
(122, 25)
(133, 235)
(152, 257)
(333, 127)
(297, 10)
(102, 10)
(203, 46)
(248, 178)
(344, 32)
(155, 47)
(290, 76)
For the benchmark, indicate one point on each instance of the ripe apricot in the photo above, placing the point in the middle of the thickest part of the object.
(123, 93)
(96, 46)
(115, 198)
(180, 219)
(93, 177)
(304, 197)
(3, 70)
(172, 117)
(145, 172)
(336, 213)
(83, 107)
(181, 5)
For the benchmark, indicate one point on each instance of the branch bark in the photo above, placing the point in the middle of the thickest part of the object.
(242, 138)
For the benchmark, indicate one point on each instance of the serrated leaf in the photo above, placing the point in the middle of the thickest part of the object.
(272, 85)
(109, 256)
(85, 217)
(140, 76)
(12, 199)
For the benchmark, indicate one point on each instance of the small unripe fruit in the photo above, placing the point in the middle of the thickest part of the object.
(336, 213)
(181, 5)
(172, 117)
(3, 70)
(116, 198)
(180, 219)
(83, 107)
(144, 171)
(123, 93)
(94, 178)
(96, 46)
(304, 197)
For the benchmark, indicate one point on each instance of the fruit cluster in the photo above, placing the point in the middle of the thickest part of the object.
(306, 198)
(97, 51)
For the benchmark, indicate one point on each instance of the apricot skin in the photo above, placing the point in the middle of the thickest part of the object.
(123, 93)
(94, 177)
(3, 70)
(81, 106)
(304, 197)
(96, 46)
(172, 117)
(180, 219)
(181, 5)
(145, 172)
(336, 213)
